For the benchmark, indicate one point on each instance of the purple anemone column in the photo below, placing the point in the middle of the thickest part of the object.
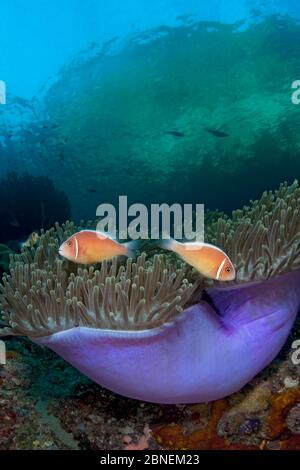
(206, 353)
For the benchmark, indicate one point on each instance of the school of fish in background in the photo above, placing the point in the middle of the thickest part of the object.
(200, 112)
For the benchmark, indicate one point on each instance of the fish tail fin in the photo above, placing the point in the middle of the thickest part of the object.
(132, 248)
(168, 244)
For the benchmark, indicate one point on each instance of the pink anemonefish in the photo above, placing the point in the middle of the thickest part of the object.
(209, 260)
(90, 246)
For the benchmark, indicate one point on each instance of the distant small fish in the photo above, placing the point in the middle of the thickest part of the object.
(216, 133)
(14, 223)
(31, 240)
(209, 260)
(91, 190)
(176, 133)
(90, 247)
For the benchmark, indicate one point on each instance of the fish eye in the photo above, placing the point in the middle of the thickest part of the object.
(69, 243)
(228, 269)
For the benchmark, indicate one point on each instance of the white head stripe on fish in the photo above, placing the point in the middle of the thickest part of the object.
(76, 246)
(220, 268)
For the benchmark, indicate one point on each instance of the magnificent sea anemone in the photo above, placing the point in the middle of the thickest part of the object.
(158, 332)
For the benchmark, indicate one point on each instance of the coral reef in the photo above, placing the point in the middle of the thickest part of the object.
(102, 139)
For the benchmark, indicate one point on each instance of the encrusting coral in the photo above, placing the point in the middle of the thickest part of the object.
(41, 295)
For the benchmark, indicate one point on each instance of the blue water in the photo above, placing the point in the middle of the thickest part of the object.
(37, 37)
(94, 89)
